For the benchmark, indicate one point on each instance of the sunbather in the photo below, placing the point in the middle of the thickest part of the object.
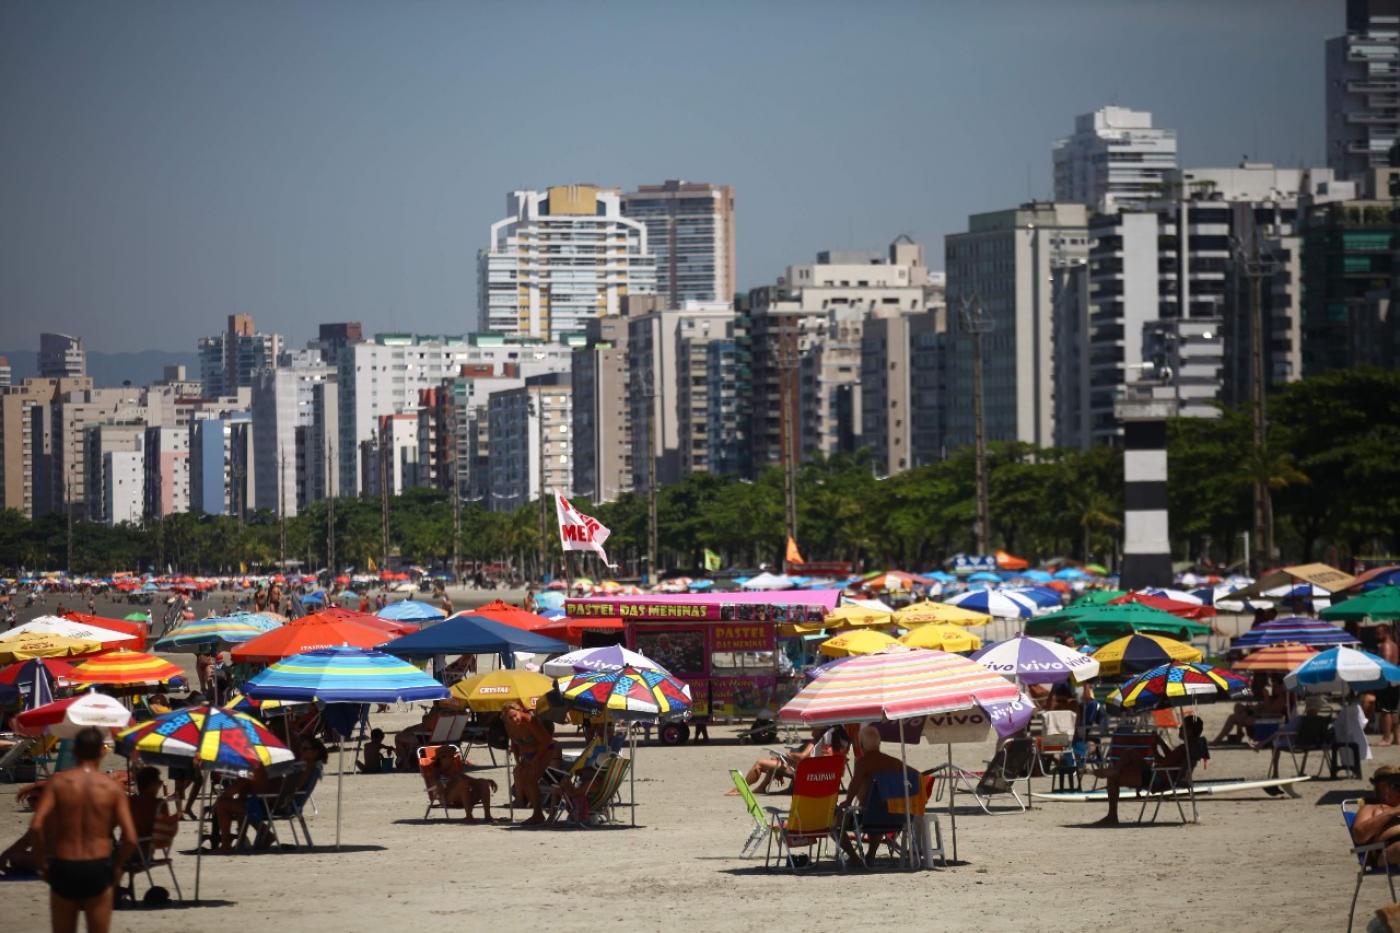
(1268, 703)
(535, 751)
(409, 738)
(871, 762)
(1380, 821)
(780, 767)
(454, 787)
(147, 803)
(1139, 770)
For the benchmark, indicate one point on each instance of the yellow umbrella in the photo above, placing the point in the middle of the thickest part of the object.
(39, 645)
(941, 638)
(924, 613)
(490, 691)
(848, 617)
(860, 641)
(1139, 652)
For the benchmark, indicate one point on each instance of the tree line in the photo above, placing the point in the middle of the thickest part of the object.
(1332, 463)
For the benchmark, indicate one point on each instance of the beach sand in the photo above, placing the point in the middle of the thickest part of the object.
(1252, 863)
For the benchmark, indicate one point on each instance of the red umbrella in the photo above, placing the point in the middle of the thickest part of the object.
(59, 670)
(507, 614)
(66, 717)
(571, 630)
(330, 628)
(1178, 609)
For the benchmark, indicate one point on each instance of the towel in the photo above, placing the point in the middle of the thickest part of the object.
(1350, 728)
(1059, 722)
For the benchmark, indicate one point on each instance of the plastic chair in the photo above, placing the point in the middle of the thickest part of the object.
(1014, 761)
(881, 818)
(755, 809)
(808, 822)
(1363, 855)
(426, 756)
(288, 806)
(154, 851)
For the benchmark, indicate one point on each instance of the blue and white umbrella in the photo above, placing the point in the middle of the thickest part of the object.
(411, 610)
(1042, 596)
(1307, 592)
(996, 603)
(1342, 670)
(1036, 661)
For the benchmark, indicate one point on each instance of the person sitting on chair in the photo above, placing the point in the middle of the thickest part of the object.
(1137, 771)
(780, 767)
(1380, 821)
(147, 802)
(409, 738)
(376, 753)
(871, 762)
(454, 787)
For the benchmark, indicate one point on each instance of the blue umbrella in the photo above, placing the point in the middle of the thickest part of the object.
(1304, 631)
(548, 600)
(41, 693)
(470, 634)
(317, 598)
(411, 610)
(701, 584)
(1070, 573)
(983, 576)
(1341, 670)
(1041, 595)
(1039, 576)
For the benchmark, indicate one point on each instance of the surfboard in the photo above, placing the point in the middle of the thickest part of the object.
(1203, 789)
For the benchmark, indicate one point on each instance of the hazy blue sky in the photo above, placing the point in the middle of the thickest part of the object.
(165, 164)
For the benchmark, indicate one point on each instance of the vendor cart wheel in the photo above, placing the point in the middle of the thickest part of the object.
(674, 733)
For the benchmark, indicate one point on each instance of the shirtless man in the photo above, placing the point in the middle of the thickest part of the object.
(1380, 821)
(1144, 772)
(871, 762)
(73, 825)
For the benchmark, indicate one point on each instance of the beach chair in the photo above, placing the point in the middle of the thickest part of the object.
(1014, 761)
(15, 756)
(808, 822)
(761, 827)
(604, 790)
(1313, 734)
(155, 851)
(1054, 740)
(880, 820)
(426, 756)
(287, 806)
(1370, 858)
(474, 734)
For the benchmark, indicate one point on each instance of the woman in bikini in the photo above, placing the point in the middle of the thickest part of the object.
(535, 751)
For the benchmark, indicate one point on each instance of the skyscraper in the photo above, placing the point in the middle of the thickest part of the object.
(690, 231)
(1115, 159)
(561, 257)
(230, 361)
(61, 357)
(1363, 90)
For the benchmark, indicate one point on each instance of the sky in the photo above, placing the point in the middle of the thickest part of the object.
(166, 164)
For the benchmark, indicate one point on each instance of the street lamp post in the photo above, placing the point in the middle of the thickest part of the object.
(976, 323)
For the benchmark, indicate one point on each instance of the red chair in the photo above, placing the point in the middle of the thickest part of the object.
(809, 821)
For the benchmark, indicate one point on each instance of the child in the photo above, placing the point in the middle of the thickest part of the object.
(377, 754)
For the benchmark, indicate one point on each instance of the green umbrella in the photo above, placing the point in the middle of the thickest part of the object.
(1380, 605)
(136, 616)
(1097, 598)
(1097, 625)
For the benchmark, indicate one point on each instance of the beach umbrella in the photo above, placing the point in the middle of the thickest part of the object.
(984, 576)
(65, 718)
(40, 693)
(1039, 576)
(1097, 569)
(216, 632)
(325, 629)
(135, 631)
(241, 703)
(411, 610)
(137, 617)
(66, 628)
(1136, 653)
(857, 641)
(1099, 624)
(1037, 661)
(626, 693)
(1096, 598)
(343, 675)
(22, 675)
(548, 601)
(1180, 683)
(513, 616)
(855, 616)
(949, 638)
(1222, 598)
(606, 658)
(927, 612)
(1379, 605)
(1297, 629)
(490, 691)
(995, 603)
(1275, 659)
(1342, 670)
(472, 634)
(124, 668)
(1305, 591)
(1170, 606)
(571, 630)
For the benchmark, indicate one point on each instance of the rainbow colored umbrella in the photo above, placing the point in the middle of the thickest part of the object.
(123, 668)
(216, 632)
(1180, 683)
(627, 692)
(207, 737)
(1296, 630)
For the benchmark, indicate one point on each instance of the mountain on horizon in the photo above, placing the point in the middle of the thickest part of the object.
(109, 370)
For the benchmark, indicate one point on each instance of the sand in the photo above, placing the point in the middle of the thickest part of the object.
(1252, 863)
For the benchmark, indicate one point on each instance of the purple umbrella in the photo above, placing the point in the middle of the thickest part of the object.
(1036, 661)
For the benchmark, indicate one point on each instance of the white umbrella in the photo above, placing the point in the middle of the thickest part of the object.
(1037, 661)
(606, 658)
(55, 625)
(66, 718)
(767, 581)
(1180, 596)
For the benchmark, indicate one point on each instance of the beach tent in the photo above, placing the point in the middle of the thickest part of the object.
(1328, 578)
(472, 634)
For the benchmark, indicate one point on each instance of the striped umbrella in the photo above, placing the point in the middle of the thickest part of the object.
(1180, 683)
(996, 603)
(1037, 661)
(1299, 630)
(344, 675)
(1176, 596)
(627, 692)
(949, 638)
(1275, 659)
(929, 613)
(899, 683)
(215, 632)
(1136, 653)
(1342, 670)
(123, 668)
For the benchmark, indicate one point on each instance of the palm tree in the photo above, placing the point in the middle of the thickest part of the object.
(1093, 509)
(1267, 469)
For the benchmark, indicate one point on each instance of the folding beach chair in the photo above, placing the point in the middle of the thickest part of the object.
(287, 806)
(1313, 734)
(604, 789)
(761, 827)
(154, 851)
(808, 823)
(426, 756)
(474, 734)
(1014, 761)
(880, 820)
(1370, 858)
(16, 756)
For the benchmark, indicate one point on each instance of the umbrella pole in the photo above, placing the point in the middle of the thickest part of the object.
(908, 820)
(952, 791)
(1190, 784)
(339, 786)
(631, 772)
(199, 835)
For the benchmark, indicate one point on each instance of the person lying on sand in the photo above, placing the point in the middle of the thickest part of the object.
(1139, 770)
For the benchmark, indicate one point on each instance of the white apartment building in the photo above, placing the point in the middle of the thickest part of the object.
(690, 231)
(1116, 159)
(123, 487)
(561, 257)
(1363, 91)
(531, 441)
(284, 403)
(384, 377)
(1012, 265)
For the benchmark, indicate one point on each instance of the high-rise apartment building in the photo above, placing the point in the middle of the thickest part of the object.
(6, 373)
(602, 428)
(690, 231)
(1350, 312)
(222, 472)
(1116, 159)
(167, 465)
(231, 360)
(1363, 91)
(61, 357)
(895, 401)
(115, 485)
(26, 432)
(531, 441)
(560, 258)
(1011, 265)
(283, 404)
(729, 398)
(66, 469)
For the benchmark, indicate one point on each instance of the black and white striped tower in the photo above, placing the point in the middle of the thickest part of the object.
(1147, 552)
